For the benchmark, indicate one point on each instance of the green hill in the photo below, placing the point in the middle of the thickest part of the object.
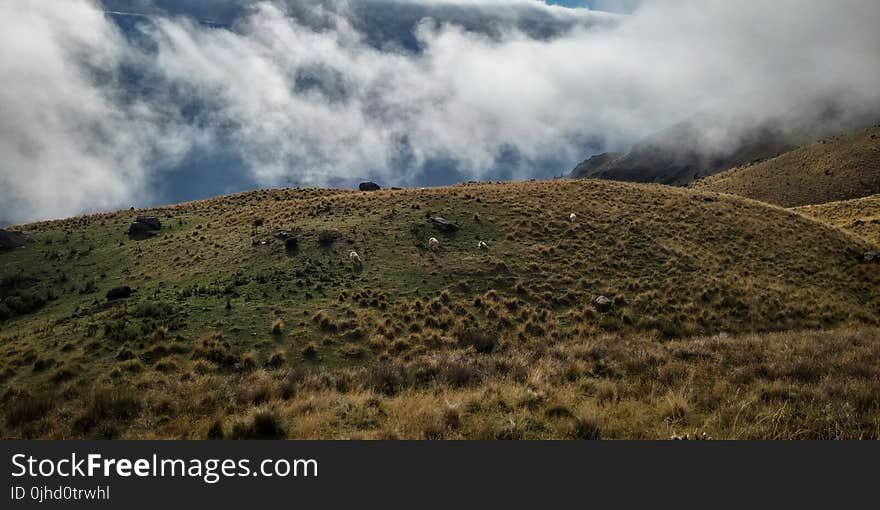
(229, 333)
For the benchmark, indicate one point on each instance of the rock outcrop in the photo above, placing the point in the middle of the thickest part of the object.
(442, 224)
(118, 293)
(144, 227)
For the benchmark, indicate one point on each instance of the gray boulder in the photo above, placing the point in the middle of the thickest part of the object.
(369, 186)
(871, 256)
(442, 224)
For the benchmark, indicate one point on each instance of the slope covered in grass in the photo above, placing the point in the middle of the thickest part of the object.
(227, 328)
(840, 168)
(861, 216)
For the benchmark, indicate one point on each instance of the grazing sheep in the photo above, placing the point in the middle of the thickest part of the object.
(573, 217)
(355, 258)
(483, 246)
(433, 244)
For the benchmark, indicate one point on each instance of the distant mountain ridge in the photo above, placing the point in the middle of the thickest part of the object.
(698, 148)
(675, 156)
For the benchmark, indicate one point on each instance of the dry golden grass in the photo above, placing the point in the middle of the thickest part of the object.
(813, 385)
(860, 216)
(840, 168)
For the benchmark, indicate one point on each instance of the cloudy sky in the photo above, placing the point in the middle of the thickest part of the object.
(117, 103)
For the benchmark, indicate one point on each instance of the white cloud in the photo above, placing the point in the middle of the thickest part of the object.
(73, 139)
(68, 141)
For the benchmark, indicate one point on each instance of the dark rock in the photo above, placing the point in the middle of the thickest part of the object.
(152, 222)
(10, 239)
(140, 230)
(442, 224)
(369, 186)
(119, 293)
(144, 227)
(291, 243)
(603, 304)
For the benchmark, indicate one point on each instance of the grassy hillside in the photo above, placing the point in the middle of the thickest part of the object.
(860, 216)
(840, 168)
(231, 335)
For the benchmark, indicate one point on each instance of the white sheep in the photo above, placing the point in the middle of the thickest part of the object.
(433, 244)
(573, 217)
(483, 246)
(355, 258)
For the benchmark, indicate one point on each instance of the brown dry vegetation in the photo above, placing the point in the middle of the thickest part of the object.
(231, 335)
(840, 168)
(814, 385)
(860, 216)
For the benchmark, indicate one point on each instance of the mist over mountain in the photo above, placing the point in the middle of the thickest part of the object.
(113, 104)
(705, 145)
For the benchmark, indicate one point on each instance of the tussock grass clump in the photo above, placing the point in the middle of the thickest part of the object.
(160, 333)
(214, 348)
(64, 373)
(325, 322)
(248, 361)
(353, 351)
(675, 408)
(585, 427)
(106, 408)
(23, 408)
(480, 340)
(277, 359)
(215, 431)
(260, 423)
(387, 378)
(310, 351)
